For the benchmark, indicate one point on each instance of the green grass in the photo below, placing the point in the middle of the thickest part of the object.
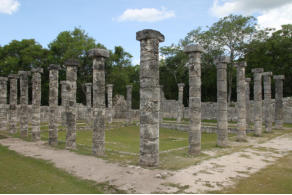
(21, 174)
(274, 179)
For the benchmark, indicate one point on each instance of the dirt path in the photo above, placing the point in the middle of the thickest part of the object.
(213, 174)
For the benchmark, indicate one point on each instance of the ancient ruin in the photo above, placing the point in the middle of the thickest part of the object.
(247, 101)
(110, 101)
(279, 101)
(267, 109)
(13, 103)
(129, 103)
(3, 102)
(180, 102)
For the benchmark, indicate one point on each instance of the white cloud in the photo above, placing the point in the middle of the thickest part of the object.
(270, 13)
(8, 6)
(146, 15)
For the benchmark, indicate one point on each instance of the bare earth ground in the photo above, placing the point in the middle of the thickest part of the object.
(209, 175)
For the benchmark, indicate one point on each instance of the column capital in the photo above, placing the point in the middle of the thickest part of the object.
(13, 76)
(24, 73)
(257, 70)
(278, 77)
(241, 64)
(193, 49)
(72, 62)
(3, 79)
(221, 62)
(88, 84)
(180, 85)
(247, 80)
(37, 70)
(149, 34)
(98, 52)
(267, 74)
(54, 67)
(129, 86)
(109, 85)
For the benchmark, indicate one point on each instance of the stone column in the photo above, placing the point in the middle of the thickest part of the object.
(149, 96)
(110, 102)
(241, 102)
(222, 113)
(23, 75)
(247, 101)
(279, 101)
(63, 103)
(13, 103)
(268, 101)
(129, 103)
(36, 103)
(98, 84)
(258, 107)
(3, 103)
(180, 102)
(161, 104)
(70, 100)
(88, 88)
(194, 52)
(53, 104)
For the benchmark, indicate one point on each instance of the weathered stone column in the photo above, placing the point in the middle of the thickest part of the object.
(279, 101)
(129, 103)
(194, 52)
(110, 102)
(53, 104)
(63, 102)
(88, 88)
(180, 102)
(23, 75)
(70, 100)
(3, 103)
(149, 96)
(258, 107)
(268, 101)
(98, 84)
(241, 102)
(36, 103)
(222, 113)
(247, 101)
(161, 103)
(13, 103)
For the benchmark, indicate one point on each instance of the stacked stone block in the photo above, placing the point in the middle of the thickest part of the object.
(267, 101)
(98, 137)
(88, 89)
(63, 103)
(3, 103)
(258, 107)
(36, 103)
(129, 103)
(194, 63)
(149, 96)
(180, 105)
(110, 102)
(247, 101)
(222, 114)
(13, 103)
(279, 101)
(241, 102)
(23, 118)
(53, 104)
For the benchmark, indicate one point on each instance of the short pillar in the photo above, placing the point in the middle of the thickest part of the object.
(53, 103)
(23, 76)
(194, 63)
(247, 101)
(88, 91)
(98, 84)
(258, 107)
(279, 101)
(70, 100)
(222, 112)
(3, 103)
(13, 103)
(149, 96)
(268, 101)
(180, 105)
(241, 102)
(129, 104)
(36, 104)
(110, 102)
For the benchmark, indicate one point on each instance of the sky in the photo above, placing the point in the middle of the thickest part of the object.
(115, 22)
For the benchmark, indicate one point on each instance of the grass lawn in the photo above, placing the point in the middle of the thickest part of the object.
(19, 174)
(274, 179)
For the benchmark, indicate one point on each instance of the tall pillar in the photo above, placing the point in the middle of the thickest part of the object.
(88, 89)
(63, 102)
(222, 113)
(70, 100)
(129, 103)
(161, 104)
(279, 101)
(180, 102)
(13, 103)
(194, 62)
(36, 103)
(258, 107)
(241, 102)
(267, 101)
(3, 103)
(53, 104)
(149, 96)
(247, 101)
(110, 101)
(98, 84)
(23, 75)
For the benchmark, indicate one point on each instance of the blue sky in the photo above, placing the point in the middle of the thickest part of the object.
(115, 22)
